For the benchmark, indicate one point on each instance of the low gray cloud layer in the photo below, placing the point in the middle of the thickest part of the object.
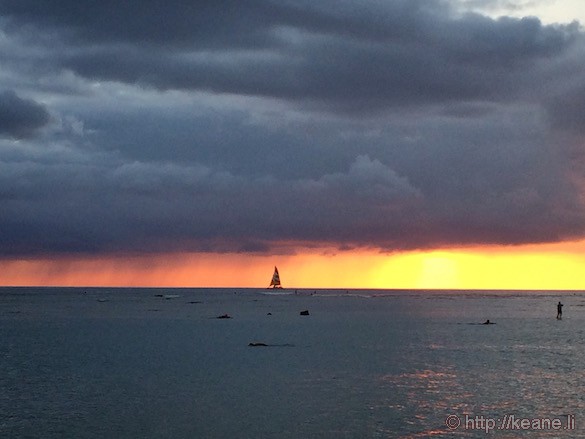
(239, 126)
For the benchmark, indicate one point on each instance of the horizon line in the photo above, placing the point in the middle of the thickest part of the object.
(291, 288)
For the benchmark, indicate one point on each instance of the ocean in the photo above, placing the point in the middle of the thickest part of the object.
(158, 363)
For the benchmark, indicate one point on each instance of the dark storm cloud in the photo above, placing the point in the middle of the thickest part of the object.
(177, 207)
(401, 52)
(236, 126)
(20, 117)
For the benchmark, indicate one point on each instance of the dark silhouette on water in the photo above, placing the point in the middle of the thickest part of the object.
(261, 344)
(487, 322)
(559, 311)
(305, 312)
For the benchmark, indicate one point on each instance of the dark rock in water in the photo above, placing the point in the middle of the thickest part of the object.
(269, 314)
(224, 316)
(305, 312)
(281, 345)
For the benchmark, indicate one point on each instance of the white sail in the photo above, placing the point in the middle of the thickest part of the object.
(275, 282)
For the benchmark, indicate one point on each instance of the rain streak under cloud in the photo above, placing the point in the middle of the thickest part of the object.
(222, 126)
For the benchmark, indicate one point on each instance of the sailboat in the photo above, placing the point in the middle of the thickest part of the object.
(275, 282)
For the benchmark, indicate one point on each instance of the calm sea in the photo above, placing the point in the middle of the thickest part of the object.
(158, 363)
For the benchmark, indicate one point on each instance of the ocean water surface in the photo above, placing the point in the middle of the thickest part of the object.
(158, 363)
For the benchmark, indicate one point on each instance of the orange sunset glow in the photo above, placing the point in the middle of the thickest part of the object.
(537, 267)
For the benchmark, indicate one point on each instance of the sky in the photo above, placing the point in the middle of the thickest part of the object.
(355, 144)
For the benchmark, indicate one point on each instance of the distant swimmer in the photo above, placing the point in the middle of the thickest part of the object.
(559, 311)
(487, 322)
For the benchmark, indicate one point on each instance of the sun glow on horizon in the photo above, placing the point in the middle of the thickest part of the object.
(537, 267)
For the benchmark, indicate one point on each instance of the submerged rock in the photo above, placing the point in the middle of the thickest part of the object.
(277, 345)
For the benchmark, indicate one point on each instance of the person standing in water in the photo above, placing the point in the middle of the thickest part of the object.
(559, 311)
